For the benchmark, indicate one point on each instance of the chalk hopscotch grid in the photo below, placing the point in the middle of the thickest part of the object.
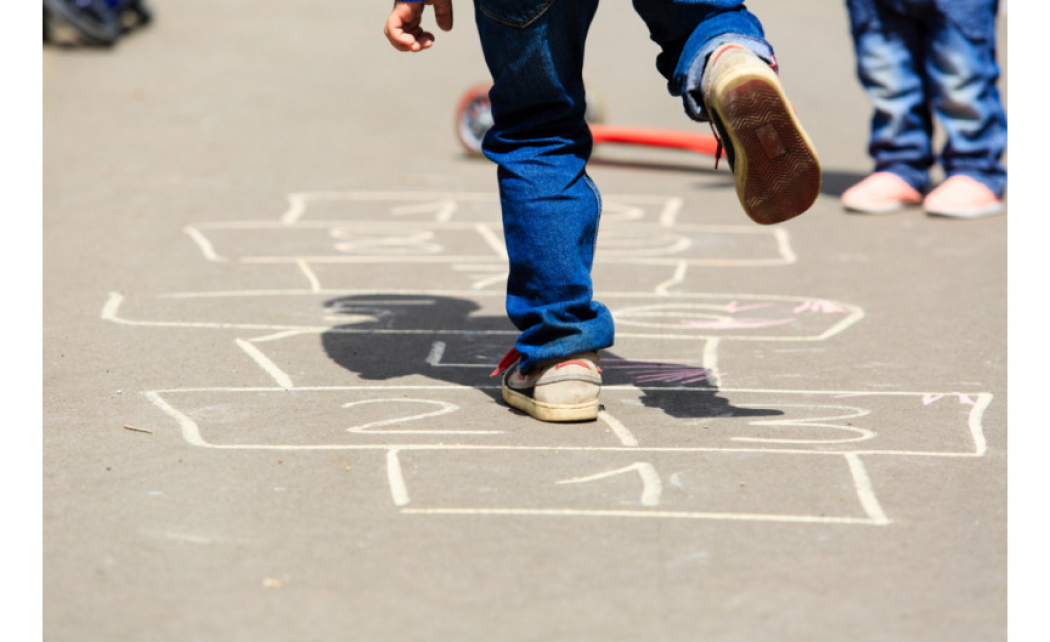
(443, 208)
(873, 512)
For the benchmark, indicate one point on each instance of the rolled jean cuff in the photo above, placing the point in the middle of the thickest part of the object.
(692, 80)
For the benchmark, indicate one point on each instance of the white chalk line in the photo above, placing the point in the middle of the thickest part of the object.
(191, 433)
(571, 512)
(606, 254)
(280, 377)
(204, 244)
(398, 489)
(601, 258)
(489, 274)
(112, 306)
(652, 487)
(784, 245)
(437, 350)
(311, 277)
(298, 202)
(669, 214)
(643, 227)
(493, 241)
(442, 209)
(625, 436)
(444, 408)
(710, 361)
(864, 491)
(678, 277)
(644, 247)
(619, 294)
(442, 447)
(617, 387)
(276, 336)
(860, 434)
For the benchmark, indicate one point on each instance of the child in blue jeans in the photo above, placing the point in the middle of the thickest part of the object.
(713, 55)
(917, 59)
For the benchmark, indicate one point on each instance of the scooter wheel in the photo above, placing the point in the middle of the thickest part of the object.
(474, 116)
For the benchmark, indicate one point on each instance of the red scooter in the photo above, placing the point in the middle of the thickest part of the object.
(474, 118)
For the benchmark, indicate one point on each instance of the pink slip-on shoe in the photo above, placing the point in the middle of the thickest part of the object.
(962, 197)
(880, 193)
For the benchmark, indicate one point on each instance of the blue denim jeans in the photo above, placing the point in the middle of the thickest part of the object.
(918, 59)
(541, 144)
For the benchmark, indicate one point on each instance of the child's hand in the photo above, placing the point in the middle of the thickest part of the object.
(402, 27)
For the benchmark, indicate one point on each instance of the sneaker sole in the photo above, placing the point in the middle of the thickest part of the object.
(777, 171)
(586, 411)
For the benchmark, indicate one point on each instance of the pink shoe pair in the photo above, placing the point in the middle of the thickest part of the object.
(958, 197)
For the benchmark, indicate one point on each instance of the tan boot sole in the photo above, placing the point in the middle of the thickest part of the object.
(776, 168)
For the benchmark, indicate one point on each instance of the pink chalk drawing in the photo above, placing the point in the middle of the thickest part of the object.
(825, 307)
(660, 372)
(733, 307)
(964, 398)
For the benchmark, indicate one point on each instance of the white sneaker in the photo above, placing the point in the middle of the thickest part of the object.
(562, 390)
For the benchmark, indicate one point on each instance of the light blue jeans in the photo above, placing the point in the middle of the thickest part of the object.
(541, 143)
(918, 59)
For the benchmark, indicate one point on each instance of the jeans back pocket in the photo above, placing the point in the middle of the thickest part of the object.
(514, 13)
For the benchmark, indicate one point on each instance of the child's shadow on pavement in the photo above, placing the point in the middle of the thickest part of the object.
(388, 336)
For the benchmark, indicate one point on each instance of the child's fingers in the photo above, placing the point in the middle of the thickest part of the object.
(409, 39)
(443, 14)
(402, 28)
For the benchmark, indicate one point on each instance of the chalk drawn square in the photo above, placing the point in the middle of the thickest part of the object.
(709, 485)
(407, 207)
(384, 227)
(692, 245)
(418, 242)
(347, 242)
(465, 279)
(728, 419)
(638, 316)
(748, 317)
(374, 417)
(455, 206)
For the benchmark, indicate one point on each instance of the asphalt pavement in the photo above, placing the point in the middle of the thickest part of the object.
(273, 294)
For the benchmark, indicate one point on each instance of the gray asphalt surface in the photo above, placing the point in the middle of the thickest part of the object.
(273, 294)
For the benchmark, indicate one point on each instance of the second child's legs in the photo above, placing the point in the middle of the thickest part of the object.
(963, 72)
(890, 60)
(918, 59)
